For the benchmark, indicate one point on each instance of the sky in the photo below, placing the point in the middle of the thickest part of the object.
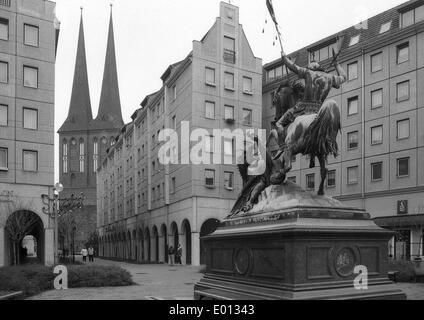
(151, 35)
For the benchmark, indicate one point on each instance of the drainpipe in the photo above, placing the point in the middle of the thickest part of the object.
(363, 126)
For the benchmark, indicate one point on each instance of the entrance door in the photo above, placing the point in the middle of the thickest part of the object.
(403, 245)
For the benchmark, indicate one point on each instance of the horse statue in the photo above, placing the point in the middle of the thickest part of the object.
(310, 134)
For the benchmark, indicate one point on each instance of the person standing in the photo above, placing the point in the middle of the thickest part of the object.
(178, 255)
(171, 254)
(91, 254)
(84, 253)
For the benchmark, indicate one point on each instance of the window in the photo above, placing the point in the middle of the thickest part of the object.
(385, 27)
(403, 129)
(247, 85)
(174, 92)
(4, 115)
(31, 35)
(402, 91)
(247, 117)
(377, 135)
(210, 110)
(353, 140)
(174, 122)
(310, 181)
(352, 175)
(210, 76)
(229, 112)
(82, 155)
(229, 180)
(407, 19)
(376, 99)
(354, 40)
(377, 171)
(331, 179)
(412, 16)
(30, 161)
(228, 81)
(4, 72)
(210, 178)
(377, 62)
(173, 185)
(352, 71)
(30, 77)
(229, 50)
(3, 159)
(65, 156)
(352, 106)
(403, 167)
(402, 53)
(4, 29)
(30, 119)
(96, 155)
(323, 53)
(228, 151)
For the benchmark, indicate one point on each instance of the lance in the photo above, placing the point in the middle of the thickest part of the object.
(274, 19)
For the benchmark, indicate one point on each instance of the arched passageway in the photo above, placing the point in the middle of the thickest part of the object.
(24, 225)
(208, 227)
(186, 245)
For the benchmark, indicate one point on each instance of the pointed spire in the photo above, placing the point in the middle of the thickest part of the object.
(80, 114)
(110, 103)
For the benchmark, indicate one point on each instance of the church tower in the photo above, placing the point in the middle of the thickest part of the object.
(83, 140)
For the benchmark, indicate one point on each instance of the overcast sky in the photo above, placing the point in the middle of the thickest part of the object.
(150, 35)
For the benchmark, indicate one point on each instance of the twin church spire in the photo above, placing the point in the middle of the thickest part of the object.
(80, 116)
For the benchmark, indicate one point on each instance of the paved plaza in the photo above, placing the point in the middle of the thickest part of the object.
(162, 282)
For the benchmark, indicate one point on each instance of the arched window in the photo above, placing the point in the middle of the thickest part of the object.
(96, 155)
(82, 155)
(65, 156)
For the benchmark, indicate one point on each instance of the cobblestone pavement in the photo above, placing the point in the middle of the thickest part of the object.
(163, 282)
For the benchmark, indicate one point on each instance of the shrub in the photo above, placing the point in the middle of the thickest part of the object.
(32, 280)
(405, 268)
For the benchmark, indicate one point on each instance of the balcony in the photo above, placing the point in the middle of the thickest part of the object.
(229, 56)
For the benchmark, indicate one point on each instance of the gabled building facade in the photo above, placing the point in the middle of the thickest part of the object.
(144, 206)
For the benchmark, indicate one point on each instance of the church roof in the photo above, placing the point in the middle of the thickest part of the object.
(110, 114)
(80, 114)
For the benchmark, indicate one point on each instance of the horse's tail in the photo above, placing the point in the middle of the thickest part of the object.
(321, 136)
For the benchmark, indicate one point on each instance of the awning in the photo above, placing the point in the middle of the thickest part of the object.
(402, 221)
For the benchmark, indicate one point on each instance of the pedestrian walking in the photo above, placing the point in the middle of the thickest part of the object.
(171, 254)
(91, 254)
(84, 253)
(178, 255)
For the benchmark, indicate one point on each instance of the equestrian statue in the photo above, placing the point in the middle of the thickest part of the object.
(306, 123)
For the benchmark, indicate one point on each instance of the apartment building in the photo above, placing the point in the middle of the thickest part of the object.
(28, 41)
(380, 167)
(144, 206)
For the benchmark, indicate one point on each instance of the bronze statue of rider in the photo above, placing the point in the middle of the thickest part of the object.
(318, 84)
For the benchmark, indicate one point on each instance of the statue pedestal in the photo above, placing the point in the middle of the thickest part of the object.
(296, 246)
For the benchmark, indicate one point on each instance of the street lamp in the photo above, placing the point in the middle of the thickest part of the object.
(55, 208)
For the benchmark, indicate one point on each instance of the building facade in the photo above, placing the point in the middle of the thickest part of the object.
(84, 140)
(144, 206)
(380, 167)
(28, 42)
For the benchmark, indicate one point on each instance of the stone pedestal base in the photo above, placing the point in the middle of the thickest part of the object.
(306, 250)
